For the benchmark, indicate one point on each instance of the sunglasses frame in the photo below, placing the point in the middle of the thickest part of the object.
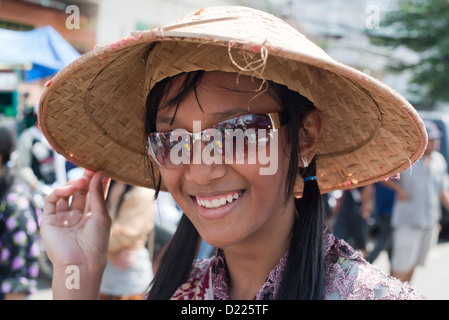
(277, 119)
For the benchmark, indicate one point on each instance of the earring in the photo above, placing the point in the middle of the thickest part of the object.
(305, 162)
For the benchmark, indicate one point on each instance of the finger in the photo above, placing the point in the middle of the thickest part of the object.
(79, 198)
(88, 173)
(80, 183)
(105, 185)
(106, 182)
(97, 194)
(63, 204)
(50, 204)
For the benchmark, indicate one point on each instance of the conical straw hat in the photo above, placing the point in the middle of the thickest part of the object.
(92, 112)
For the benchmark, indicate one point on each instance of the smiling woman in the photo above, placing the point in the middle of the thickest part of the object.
(261, 206)
(186, 108)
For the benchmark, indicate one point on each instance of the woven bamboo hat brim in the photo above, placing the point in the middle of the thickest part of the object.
(92, 112)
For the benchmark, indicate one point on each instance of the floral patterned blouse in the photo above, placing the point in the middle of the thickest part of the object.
(348, 277)
(19, 249)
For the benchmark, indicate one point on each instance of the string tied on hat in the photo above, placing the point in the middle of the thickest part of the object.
(252, 64)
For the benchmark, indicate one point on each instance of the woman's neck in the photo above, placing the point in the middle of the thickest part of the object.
(250, 262)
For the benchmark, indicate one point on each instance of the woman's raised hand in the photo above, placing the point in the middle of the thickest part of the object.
(75, 229)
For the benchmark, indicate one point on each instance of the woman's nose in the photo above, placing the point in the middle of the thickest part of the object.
(204, 168)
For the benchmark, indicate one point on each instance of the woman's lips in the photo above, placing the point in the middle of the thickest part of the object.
(217, 206)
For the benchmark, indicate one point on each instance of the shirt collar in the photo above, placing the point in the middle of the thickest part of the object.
(220, 278)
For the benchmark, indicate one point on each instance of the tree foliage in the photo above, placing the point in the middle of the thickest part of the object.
(422, 26)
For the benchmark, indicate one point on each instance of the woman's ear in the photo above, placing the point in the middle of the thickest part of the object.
(309, 137)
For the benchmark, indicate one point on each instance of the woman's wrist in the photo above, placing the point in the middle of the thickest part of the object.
(77, 282)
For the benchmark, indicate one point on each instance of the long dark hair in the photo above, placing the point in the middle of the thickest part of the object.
(303, 277)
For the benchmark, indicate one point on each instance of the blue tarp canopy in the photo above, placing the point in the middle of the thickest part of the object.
(43, 47)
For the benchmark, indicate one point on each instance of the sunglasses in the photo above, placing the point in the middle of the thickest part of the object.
(230, 141)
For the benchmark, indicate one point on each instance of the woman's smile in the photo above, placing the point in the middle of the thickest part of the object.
(218, 205)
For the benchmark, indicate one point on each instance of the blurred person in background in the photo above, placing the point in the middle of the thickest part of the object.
(351, 221)
(37, 163)
(384, 200)
(19, 249)
(420, 192)
(129, 268)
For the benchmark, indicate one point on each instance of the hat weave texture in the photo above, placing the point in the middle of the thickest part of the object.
(92, 111)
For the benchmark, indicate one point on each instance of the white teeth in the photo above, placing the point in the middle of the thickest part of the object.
(218, 202)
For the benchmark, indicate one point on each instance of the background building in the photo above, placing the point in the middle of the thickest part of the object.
(77, 28)
(30, 14)
(117, 18)
(340, 27)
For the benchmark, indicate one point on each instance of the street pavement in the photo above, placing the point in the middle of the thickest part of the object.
(432, 280)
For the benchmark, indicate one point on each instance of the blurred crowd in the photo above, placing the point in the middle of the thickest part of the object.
(19, 218)
(29, 170)
(401, 215)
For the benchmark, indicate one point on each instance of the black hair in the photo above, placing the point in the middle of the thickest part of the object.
(303, 277)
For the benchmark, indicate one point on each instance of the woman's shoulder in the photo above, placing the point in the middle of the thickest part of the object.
(350, 277)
